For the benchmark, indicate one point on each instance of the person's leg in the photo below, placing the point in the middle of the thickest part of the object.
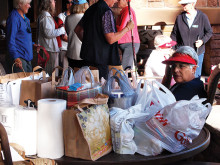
(127, 54)
(199, 68)
(63, 62)
(52, 62)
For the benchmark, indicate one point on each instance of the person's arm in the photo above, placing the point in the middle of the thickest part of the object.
(12, 29)
(79, 30)
(48, 29)
(207, 30)
(109, 30)
(173, 34)
(60, 23)
(122, 21)
(114, 37)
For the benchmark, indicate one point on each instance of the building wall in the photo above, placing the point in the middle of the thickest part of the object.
(140, 4)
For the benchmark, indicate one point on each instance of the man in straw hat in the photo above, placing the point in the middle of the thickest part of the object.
(99, 37)
(183, 65)
(192, 28)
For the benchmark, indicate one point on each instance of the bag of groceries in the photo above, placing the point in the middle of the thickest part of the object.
(153, 97)
(177, 124)
(122, 122)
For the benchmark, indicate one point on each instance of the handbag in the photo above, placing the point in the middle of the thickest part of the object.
(86, 129)
(40, 60)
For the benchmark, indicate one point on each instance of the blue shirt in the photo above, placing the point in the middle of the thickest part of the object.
(19, 37)
(187, 90)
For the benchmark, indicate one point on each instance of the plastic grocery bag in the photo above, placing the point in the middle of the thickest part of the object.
(67, 78)
(176, 125)
(153, 97)
(121, 122)
(121, 98)
(146, 145)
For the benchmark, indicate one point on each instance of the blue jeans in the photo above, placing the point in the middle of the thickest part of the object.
(199, 68)
(26, 66)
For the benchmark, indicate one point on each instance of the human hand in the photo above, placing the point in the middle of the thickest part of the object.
(130, 25)
(198, 43)
(37, 47)
(18, 63)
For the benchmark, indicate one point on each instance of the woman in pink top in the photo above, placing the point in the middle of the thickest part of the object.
(125, 43)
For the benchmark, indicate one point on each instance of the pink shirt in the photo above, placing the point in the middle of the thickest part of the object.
(121, 22)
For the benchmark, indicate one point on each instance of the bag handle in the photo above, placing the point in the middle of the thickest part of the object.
(54, 83)
(22, 69)
(65, 78)
(167, 91)
(43, 72)
(126, 89)
(86, 68)
(100, 99)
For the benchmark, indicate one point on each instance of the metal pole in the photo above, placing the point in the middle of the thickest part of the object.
(132, 39)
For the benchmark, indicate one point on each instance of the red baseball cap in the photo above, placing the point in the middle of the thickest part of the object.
(180, 57)
(168, 44)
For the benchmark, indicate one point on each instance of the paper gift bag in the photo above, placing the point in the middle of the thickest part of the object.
(34, 90)
(87, 131)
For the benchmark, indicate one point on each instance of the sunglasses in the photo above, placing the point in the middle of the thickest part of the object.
(28, 27)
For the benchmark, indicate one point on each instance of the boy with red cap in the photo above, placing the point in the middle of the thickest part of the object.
(183, 65)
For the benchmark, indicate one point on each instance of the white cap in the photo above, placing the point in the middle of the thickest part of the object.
(187, 1)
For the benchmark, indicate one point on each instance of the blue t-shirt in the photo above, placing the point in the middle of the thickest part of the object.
(187, 90)
(19, 37)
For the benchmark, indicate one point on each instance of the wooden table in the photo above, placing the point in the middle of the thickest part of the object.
(198, 145)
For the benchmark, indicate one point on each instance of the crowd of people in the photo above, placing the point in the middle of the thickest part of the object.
(86, 35)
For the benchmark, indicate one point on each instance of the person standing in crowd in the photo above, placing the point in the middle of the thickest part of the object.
(19, 37)
(192, 28)
(125, 43)
(48, 33)
(64, 39)
(97, 31)
(183, 66)
(163, 51)
(74, 44)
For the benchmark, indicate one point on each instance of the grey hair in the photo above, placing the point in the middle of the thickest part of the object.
(189, 51)
(46, 6)
(16, 3)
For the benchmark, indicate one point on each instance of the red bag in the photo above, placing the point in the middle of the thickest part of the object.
(40, 60)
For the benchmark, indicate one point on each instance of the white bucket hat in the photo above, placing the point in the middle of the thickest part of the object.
(187, 1)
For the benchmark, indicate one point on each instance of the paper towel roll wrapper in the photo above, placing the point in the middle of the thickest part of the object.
(50, 129)
(26, 129)
(7, 120)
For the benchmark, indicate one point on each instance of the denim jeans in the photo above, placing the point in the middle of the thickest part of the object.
(26, 66)
(199, 68)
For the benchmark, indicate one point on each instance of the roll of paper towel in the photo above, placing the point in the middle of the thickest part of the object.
(50, 129)
(26, 129)
(7, 120)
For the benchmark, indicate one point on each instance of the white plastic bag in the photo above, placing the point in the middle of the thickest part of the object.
(176, 125)
(67, 77)
(121, 122)
(146, 145)
(152, 98)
